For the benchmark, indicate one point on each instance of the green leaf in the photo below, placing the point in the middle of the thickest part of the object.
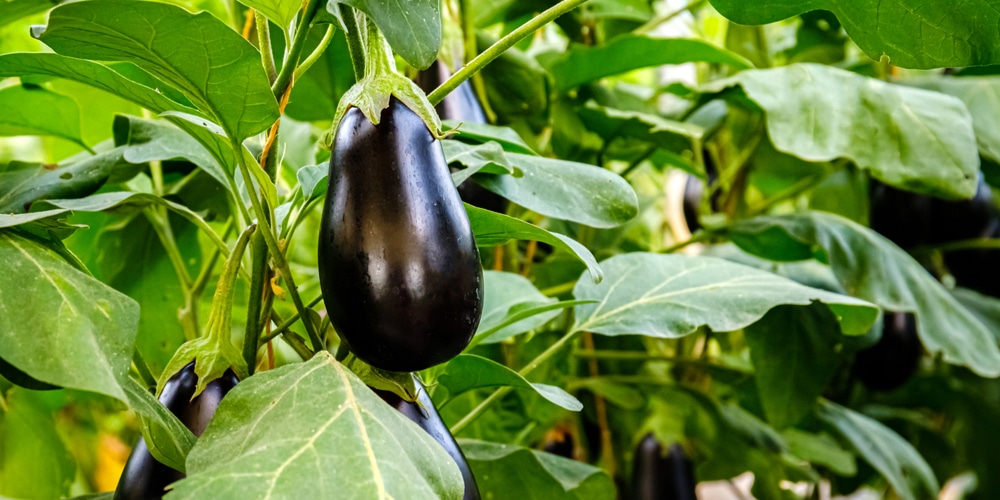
(482, 133)
(911, 138)
(36, 111)
(315, 95)
(34, 462)
(794, 358)
(412, 27)
(566, 190)
(981, 96)
(313, 179)
(872, 268)
(61, 326)
(168, 440)
(609, 123)
(913, 33)
(280, 12)
(984, 307)
(90, 73)
(886, 451)
(583, 64)
(204, 59)
(491, 228)
(821, 449)
(508, 471)
(488, 157)
(12, 10)
(670, 296)
(150, 140)
(467, 371)
(340, 441)
(25, 183)
(506, 294)
(621, 395)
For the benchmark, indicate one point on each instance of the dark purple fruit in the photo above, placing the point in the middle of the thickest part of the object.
(662, 474)
(398, 263)
(977, 269)
(146, 478)
(894, 359)
(962, 219)
(901, 216)
(429, 420)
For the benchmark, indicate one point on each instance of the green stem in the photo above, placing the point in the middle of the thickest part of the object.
(316, 54)
(355, 42)
(495, 50)
(503, 391)
(695, 238)
(258, 278)
(285, 325)
(264, 43)
(279, 258)
(284, 78)
(623, 355)
(638, 161)
(552, 291)
(970, 244)
(161, 225)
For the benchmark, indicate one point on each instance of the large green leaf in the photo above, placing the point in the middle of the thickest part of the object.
(794, 358)
(871, 267)
(36, 111)
(314, 430)
(34, 462)
(61, 326)
(670, 296)
(885, 450)
(12, 10)
(492, 228)
(166, 437)
(913, 33)
(315, 95)
(508, 471)
(467, 371)
(982, 96)
(582, 64)
(412, 27)
(280, 12)
(911, 138)
(610, 123)
(90, 73)
(566, 190)
(208, 62)
(22, 184)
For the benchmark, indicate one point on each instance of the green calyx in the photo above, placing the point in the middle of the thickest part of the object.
(214, 353)
(398, 383)
(381, 81)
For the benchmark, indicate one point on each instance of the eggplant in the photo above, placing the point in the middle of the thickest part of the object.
(146, 478)
(977, 269)
(426, 416)
(962, 219)
(901, 216)
(894, 359)
(398, 263)
(461, 105)
(694, 189)
(659, 474)
(18, 377)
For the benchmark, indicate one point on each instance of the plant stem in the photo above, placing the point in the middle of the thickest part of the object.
(495, 50)
(503, 391)
(272, 244)
(283, 79)
(161, 226)
(695, 238)
(622, 355)
(355, 43)
(970, 244)
(315, 55)
(285, 325)
(559, 289)
(258, 280)
(264, 44)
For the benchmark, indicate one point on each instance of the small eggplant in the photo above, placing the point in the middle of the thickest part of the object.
(398, 262)
(426, 416)
(662, 476)
(893, 360)
(146, 478)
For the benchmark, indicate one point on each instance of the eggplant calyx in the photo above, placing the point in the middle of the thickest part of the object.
(381, 81)
(214, 353)
(398, 383)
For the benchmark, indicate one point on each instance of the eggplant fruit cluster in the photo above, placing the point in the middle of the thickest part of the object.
(144, 477)
(662, 474)
(398, 263)
(424, 414)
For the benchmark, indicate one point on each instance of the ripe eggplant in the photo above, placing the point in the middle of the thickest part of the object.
(901, 216)
(659, 476)
(146, 478)
(977, 269)
(462, 105)
(893, 360)
(398, 263)
(426, 416)
(962, 219)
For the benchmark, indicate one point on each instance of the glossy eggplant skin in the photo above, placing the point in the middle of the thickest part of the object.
(429, 420)
(894, 359)
(146, 478)
(657, 475)
(398, 262)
